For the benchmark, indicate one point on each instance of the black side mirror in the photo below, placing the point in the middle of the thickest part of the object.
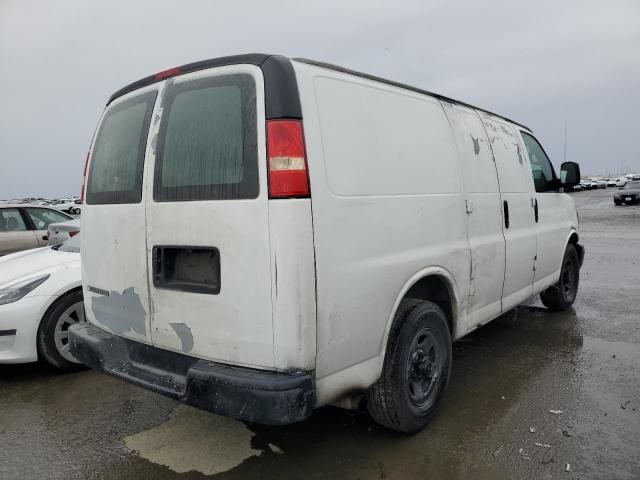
(569, 174)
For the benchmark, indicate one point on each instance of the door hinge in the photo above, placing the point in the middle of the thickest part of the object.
(535, 262)
(468, 205)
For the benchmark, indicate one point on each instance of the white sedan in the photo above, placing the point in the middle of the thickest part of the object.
(40, 298)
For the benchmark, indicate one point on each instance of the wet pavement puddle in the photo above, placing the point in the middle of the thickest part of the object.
(195, 440)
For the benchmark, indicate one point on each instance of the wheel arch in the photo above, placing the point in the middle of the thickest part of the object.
(434, 284)
(574, 239)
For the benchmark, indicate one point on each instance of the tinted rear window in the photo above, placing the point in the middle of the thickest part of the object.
(208, 147)
(115, 174)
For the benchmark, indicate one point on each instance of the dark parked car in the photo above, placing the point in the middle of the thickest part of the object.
(629, 194)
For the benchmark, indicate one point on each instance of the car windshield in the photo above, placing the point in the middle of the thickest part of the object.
(70, 245)
(631, 186)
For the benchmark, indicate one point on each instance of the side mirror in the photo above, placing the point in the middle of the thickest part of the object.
(569, 174)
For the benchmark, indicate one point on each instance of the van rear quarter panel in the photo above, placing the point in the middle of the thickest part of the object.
(387, 202)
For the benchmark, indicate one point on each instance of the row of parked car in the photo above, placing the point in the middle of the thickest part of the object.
(604, 182)
(41, 291)
(72, 205)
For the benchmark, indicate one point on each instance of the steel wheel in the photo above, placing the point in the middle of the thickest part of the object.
(568, 280)
(424, 366)
(71, 316)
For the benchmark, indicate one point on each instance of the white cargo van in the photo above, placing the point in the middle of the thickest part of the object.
(263, 236)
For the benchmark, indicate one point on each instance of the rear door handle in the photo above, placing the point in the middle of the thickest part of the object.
(535, 209)
(505, 205)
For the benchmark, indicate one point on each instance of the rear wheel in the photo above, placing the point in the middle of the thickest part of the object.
(53, 334)
(416, 368)
(561, 296)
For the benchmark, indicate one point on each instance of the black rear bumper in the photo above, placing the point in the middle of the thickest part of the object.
(258, 396)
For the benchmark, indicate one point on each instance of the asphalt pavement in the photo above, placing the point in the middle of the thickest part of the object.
(495, 421)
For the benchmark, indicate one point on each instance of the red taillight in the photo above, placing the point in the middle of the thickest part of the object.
(84, 177)
(172, 72)
(286, 159)
(72, 233)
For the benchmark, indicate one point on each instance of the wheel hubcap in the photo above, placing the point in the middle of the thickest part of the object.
(72, 315)
(424, 369)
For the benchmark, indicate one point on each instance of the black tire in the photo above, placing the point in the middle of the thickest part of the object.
(416, 370)
(47, 349)
(617, 203)
(561, 296)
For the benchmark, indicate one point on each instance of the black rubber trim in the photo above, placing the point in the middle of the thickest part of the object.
(7, 333)
(581, 251)
(259, 396)
(281, 89)
(401, 85)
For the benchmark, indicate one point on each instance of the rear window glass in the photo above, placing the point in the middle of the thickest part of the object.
(208, 148)
(115, 174)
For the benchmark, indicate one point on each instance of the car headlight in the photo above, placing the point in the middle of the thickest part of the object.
(16, 291)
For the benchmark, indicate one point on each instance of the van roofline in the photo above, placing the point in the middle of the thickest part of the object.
(338, 68)
(281, 88)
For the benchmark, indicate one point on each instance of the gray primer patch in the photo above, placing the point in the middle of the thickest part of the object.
(476, 145)
(519, 154)
(185, 335)
(120, 312)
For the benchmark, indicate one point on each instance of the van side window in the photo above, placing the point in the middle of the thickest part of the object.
(541, 168)
(208, 141)
(115, 172)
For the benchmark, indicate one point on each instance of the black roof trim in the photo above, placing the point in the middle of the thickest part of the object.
(401, 85)
(281, 89)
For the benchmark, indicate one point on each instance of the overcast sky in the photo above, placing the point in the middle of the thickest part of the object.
(539, 62)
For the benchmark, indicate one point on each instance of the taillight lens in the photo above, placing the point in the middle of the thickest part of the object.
(72, 233)
(287, 163)
(84, 178)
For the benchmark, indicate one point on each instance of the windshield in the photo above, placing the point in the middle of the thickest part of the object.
(70, 245)
(631, 186)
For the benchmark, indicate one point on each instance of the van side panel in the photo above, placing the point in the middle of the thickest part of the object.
(387, 202)
(293, 292)
(484, 214)
(516, 189)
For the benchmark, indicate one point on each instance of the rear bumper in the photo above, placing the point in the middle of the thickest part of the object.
(258, 396)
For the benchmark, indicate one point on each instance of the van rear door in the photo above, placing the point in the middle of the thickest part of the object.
(207, 218)
(114, 267)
